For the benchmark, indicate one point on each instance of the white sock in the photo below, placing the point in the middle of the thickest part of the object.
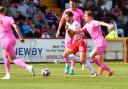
(89, 66)
(67, 65)
(72, 67)
(73, 56)
(29, 67)
(7, 75)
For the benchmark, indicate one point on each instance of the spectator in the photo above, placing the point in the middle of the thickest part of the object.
(96, 15)
(52, 19)
(35, 32)
(13, 10)
(112, 21)
(121, 20)
(88, 5)
(26, 28)
(115, 11)
(39, 19)
(125, 9)
(30, 21)
(120, 24)
(104, 16)
(80, 5)
(23, 9)
(31, 9)
(45, 35)
(41, 7)
(6, 4)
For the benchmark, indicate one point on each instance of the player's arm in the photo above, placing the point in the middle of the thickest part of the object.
(110, 26)
(18, 32)
(82, 18)
(62, 21)
(82, 30)
(82, 22)
(79, 31)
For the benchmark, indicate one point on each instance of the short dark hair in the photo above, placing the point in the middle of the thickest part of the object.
(88, 13)
(2, 9)
(69, 13)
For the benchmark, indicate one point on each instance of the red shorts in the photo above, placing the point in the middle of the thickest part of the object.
(78, 46)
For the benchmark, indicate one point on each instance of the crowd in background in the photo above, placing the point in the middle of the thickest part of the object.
(110, 11)
(34, 20)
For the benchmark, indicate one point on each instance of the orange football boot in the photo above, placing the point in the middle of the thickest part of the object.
(100, 71)
(109, 73)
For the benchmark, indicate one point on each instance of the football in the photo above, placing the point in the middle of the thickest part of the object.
(45, 72)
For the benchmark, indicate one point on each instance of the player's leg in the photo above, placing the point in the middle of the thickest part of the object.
(10, 52)
(68, 42)
(67, 52)
(100, 51)
(86, 63)
(7, 66)
(22, 64)
(5, 43)
(96, 56)
(66, 69)
(73, 62)
(93, 55)
(100, 70)
(105, 67)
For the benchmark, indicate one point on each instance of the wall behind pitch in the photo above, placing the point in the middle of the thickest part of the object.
(41, 50)
(49, 50)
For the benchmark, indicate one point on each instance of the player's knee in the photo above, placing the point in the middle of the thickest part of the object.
(91, 56)
(4, 54)
(82, 60)
(13, 57)
(65, 55)
(71, 56)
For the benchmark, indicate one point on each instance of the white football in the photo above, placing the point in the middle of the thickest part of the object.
(45, 72)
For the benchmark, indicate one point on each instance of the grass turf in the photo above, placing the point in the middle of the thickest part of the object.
(21, 79)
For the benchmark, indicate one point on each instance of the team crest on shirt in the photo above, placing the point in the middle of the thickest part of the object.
(81, 48)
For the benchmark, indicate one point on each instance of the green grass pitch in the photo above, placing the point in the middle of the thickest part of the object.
(21, 79)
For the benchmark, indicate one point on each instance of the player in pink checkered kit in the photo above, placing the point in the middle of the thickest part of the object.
(94, 29)
(8, 42)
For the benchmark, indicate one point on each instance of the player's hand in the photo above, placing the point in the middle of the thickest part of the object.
(22, 40)
(110, 26)
(79, 31)
(57, 34)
